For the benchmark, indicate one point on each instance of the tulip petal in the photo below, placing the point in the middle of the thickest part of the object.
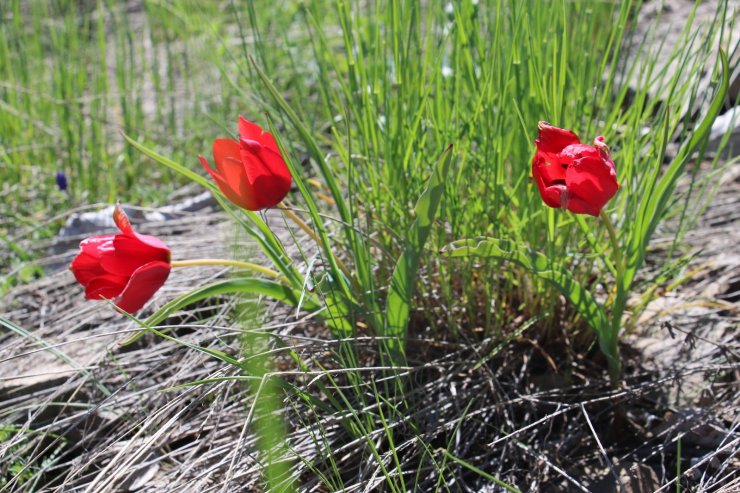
(86, 267)
(120, 265)
(243, 193)
(268, 175)
(224, 149)
(576, 151)
(142, 285)
(593, 181)
(232, 178)
(153, 243)
(129, 255)
(274, 160)
(138, 248)
(146, 241)
(252, 131)
(271, 190)
(251, 173)
(106, 286)
(571, 175)
(126, 268)
(214, 174)
(577, 205)
(551, 140)
(121, 220)
(548, 170)
(96, 245)
(550, 179)
(553, 195)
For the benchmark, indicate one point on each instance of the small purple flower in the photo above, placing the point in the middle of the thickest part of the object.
(61, 180)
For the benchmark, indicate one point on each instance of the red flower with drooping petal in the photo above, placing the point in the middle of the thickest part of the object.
(127, 268)
(251, 172)
(571, 175)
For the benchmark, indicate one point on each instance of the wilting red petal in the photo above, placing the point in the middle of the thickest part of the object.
(544, 175)
(576, 151)
(121, 220)
(553, 195)
(551, 140)
(143, 242)
(600, 144)
(575, 176)
(549, 171)
(142, 285)
(604, 154)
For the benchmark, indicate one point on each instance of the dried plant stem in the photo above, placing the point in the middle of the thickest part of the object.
(310, 232)
(612, 349)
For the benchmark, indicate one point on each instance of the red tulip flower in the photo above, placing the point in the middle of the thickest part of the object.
(571, 175)
(127, 268)
(251, 172)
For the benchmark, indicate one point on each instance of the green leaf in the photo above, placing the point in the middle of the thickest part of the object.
(652, 211)
(273, 289)
(186, 172)
(550, 271)
(482, 473)
(401, 289)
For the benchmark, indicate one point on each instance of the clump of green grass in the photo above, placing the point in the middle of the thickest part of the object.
(17, 468)
(398, 83)
(368, 97)
(73, 73)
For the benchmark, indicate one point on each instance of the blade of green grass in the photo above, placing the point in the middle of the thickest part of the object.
(403, 282)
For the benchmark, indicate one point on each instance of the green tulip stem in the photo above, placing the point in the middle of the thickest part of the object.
(301, 224)
(617, 252)
(611, 347)
(229, 263)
